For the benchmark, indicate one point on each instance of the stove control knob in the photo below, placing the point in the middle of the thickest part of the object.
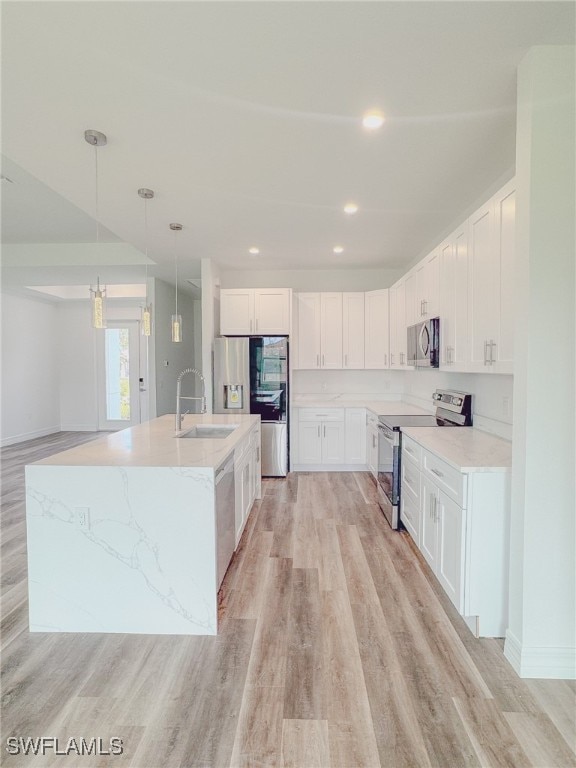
(457, 401)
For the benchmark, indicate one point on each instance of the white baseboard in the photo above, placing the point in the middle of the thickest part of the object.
(13, 439)
(78, 428)
(550, 662)
(329, 468)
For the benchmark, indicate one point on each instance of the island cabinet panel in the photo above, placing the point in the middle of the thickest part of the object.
(133, 532)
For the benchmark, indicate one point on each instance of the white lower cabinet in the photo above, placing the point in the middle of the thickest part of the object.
(328, 439)
(372, 443)
(247, 479)
(460, 523)
(321, 442)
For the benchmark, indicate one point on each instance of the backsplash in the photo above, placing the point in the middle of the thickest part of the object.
(492, 401)
(383, 383)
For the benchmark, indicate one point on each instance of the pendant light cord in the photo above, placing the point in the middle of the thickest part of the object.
(96, 194)
(176, 270)
(146, 244)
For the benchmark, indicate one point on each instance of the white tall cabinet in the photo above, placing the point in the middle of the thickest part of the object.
(490, 284)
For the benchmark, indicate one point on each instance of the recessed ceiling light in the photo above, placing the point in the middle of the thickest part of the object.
(350, 208)
(338, 249)
(254, 251)
(373, 119)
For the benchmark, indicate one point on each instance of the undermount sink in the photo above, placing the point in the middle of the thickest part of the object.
(209, 431)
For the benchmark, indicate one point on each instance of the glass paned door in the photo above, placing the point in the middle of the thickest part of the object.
(119, 372)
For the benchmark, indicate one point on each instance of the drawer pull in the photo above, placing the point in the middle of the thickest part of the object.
(437, 472)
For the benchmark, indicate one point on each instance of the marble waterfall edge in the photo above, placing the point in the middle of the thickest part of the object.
(121, 549)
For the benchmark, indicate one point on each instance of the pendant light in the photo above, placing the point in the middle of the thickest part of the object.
(176, 318)
(146, 314)
(97, 295)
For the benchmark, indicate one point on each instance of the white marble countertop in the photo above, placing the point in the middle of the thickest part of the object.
(464, 448)
(153, 444)
(371, 402)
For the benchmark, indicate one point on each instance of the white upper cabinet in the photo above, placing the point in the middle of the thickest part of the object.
(319, 335)
(330, 330)
(411, 316)
(490, 284)
(505, 230)
(427, 287)
(353, 330)
(398, 326)
(454, 300)
(376, 329)
(236, 311)
(246, 311)
(308, 335)
(272, 310)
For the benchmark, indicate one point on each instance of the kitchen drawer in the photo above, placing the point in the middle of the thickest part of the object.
(410, 476)
(410, 514)
(411, 449)
(321, 414)
(444, 476)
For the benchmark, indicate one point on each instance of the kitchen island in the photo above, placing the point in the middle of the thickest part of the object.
(125, 533)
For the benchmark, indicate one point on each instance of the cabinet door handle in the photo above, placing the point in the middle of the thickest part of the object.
(485, 353)
(435, 509)
(318, 430)
(385, 360)
(256, 323)
(425, 306)
(391, 358)
(322, 360)
(250, 325)
(317, 361)
(346, 361)
(373, 441)
(437, 472)
(492, 345)
(324, 430)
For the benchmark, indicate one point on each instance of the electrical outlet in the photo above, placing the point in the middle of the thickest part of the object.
(82, 517)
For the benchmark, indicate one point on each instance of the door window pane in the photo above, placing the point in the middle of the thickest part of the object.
(117, 352)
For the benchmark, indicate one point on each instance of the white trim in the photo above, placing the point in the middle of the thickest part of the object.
(329, 468)
(29, 435)
(78, 428)
(547, 662)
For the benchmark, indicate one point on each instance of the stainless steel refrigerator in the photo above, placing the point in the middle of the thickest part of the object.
(251, 376)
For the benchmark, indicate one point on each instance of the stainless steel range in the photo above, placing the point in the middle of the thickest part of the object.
(453, 409)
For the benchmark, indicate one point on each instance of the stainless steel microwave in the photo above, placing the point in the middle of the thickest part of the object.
(424, 344)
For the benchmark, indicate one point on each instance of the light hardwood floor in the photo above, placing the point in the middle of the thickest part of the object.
(337, 649)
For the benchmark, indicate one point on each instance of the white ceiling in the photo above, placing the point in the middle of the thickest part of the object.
(244, 117)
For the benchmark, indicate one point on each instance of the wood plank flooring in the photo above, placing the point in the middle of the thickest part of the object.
(337, 649)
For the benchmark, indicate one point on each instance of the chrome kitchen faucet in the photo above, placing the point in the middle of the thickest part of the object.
(179, 396)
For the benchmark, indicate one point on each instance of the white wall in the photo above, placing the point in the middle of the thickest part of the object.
(210, 321)
(171, 357)
(312, 279)
(76, 341)
(30, 401)
(541, 640)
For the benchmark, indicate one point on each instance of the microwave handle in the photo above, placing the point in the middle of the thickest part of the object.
(424, 347)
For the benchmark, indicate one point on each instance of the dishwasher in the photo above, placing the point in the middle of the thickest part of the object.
(225, 517)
